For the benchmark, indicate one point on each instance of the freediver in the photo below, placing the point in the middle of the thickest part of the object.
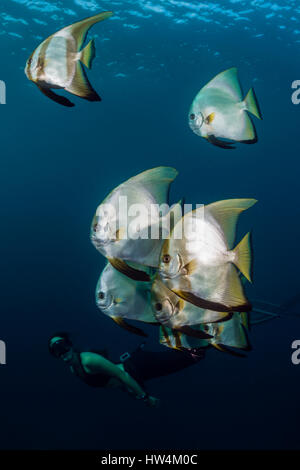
(130, 374)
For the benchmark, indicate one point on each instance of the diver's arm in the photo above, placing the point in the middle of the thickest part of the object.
(96, 364)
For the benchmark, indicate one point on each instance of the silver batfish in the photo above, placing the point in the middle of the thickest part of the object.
(122, 228)
(57, 62)
(120, 298)
(198, 261)
(220, 112)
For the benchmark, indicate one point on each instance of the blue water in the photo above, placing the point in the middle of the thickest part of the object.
(58, 164)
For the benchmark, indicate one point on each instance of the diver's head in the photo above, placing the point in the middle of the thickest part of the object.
(61, 347)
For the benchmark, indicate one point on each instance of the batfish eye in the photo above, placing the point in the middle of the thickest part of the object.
(29, 61)
(101, 295)
(192, 116)
(158, 306)
(166, 259)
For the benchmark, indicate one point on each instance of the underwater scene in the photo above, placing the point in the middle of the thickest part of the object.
(150, 225)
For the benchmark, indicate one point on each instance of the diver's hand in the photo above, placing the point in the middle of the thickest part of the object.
(153, 402)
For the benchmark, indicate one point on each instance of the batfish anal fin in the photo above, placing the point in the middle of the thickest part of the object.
(80, 85)
(220, 143)
(80, 29)
(132, 329)
(57, 98)
(130, 272)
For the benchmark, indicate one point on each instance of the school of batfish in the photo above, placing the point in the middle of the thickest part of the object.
(189, 279)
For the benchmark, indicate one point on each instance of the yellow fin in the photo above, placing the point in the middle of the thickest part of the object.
(80, 85)
(88, 54)
(209, 119)
(226, 214)
(243, 256)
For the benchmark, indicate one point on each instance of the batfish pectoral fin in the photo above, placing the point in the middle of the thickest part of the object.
(220, 143)
(209, 119)
(132, 329)
(210, 305)
(187, 330)
(130, 272)
(80, 29)
(57, 98)
(227, 350)
(80, 85)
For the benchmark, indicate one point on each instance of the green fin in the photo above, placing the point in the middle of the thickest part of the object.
(57, 98)
(81, 86)
(157, 181)
(226, 214)
(243, 256)
(80, 29)
(129, 271)
(252, 104)
(228, 82)
(88, 54)
(121, 322)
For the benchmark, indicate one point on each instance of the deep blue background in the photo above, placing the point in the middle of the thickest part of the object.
(58, 164)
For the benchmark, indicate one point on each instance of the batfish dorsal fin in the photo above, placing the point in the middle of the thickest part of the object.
(226, 214)
(80, 85)
(228, 82)
(80, 29)
(157, 181)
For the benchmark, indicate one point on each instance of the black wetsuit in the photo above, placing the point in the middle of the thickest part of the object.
(141, 365)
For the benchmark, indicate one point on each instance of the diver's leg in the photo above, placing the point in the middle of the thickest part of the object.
(146, 365)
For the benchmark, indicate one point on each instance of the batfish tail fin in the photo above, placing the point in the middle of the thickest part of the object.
(252, 104)
(243, 256)
(88, 54)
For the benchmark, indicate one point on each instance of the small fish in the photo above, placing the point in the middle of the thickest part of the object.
(125, 238)
(173, 312)
(121, 298)
(56, 63)
(200, 266)
(220, 112)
